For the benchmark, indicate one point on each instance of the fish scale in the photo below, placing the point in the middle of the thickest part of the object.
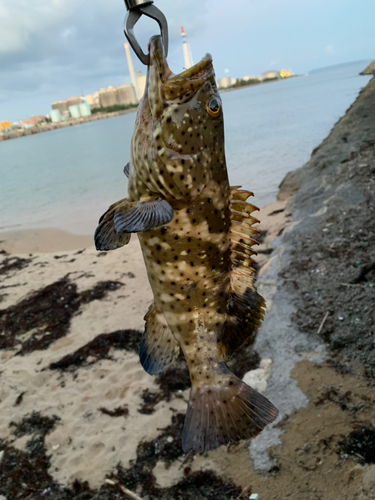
(197, 236)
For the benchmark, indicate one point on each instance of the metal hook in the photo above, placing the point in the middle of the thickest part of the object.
(135, 10)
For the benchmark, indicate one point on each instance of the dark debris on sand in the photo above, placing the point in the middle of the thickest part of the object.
(24, 474)
(98, 349)
(48, 312)
(360, 444)
(12, 263)
(120, 411)
(167, 448)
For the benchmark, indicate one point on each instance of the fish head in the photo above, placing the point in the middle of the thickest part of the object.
(181, 115)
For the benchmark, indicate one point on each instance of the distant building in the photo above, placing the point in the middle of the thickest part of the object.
(63, 106)
(124, 95)
(250, 78)
(225, 82)
(269, 75)
(55, 116)
(286, 73)
(5, 125)
(31, 122)
(93, 100)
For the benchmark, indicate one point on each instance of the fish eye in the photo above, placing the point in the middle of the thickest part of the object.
(213, 107)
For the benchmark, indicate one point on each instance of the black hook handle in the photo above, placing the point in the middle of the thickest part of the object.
(137, 8)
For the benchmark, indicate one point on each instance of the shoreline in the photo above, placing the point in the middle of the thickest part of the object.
(16, 134)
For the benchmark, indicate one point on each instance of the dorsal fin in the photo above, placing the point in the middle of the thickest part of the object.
(245, 306)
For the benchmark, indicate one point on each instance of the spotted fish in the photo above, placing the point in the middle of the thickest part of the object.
(196, 234)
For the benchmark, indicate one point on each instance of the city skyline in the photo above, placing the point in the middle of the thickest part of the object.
(48, 52)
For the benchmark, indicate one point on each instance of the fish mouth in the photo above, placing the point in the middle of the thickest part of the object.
(196, 75)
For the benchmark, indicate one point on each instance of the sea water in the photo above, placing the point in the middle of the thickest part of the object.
(67, 178)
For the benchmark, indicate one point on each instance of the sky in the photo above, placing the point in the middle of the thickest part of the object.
(54, 49)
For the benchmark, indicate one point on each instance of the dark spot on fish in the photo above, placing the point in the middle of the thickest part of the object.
(169, 120)
(192, 264)
(175, 257)
(182, 177)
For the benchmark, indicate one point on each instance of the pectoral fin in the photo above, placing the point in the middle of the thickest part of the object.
(126, 170)
(158, 347)
(125, 217)
(143, 215)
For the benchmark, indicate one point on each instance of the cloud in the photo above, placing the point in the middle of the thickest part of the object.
(330, 49)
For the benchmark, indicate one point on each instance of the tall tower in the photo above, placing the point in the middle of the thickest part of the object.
(186, 49)
(131, 71)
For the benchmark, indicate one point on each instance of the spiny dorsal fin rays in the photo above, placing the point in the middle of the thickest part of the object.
(158, 347)
(241, 237)
(243, 206)
(239, 227)
(245, 306)
(127, 170)
(243, 217)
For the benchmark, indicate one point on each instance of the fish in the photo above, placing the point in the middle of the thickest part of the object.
(197, 236)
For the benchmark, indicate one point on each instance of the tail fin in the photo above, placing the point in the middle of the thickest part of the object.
(224, 413)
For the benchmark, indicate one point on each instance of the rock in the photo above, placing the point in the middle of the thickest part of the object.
(259, 378)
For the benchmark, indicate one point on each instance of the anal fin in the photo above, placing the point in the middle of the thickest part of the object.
(158, 347)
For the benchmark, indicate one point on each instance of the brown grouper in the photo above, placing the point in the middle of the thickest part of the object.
(196, 234)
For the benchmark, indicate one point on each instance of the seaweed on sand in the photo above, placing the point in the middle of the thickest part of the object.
(99, 348)
(48, 313)
(166, 448)
(24, 474)
(13, 263)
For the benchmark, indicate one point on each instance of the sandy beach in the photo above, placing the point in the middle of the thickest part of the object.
(81, 419)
